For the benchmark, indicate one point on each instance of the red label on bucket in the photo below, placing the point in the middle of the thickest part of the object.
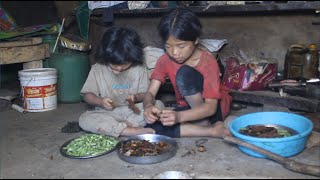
(40, 91)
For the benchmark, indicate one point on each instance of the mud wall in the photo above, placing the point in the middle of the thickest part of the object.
(249, 37)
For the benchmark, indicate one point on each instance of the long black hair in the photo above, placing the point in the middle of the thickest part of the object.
(120, 45)
(181, 23)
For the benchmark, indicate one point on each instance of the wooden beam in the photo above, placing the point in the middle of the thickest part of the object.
(24, 54)
(22, 42)
(307, 7)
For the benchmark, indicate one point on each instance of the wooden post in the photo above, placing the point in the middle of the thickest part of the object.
(33, 64)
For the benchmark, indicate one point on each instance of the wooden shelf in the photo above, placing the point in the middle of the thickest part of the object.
(273, 98)
(270, 8)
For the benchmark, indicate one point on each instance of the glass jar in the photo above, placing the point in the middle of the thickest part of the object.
(310, 68)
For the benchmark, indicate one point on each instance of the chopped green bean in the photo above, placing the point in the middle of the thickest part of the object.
(90, 145)
(283, 132)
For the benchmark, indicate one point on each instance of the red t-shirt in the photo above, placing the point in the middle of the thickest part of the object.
(207, 66)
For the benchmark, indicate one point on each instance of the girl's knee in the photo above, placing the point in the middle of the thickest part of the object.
(189, 81)
(83, 120)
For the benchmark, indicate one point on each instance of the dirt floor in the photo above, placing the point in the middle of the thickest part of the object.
(30, 146)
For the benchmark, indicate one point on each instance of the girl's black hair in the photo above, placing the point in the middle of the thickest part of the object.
(120, 45)
(181, 23)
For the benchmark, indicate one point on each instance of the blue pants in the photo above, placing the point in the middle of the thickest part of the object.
(189, 82)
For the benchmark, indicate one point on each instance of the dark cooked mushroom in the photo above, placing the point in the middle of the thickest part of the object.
(143, 148)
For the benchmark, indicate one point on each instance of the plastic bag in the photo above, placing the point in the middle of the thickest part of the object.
(138, 4)
(6, 21)
(253, 76)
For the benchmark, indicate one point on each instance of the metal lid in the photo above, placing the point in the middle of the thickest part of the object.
(312, 46)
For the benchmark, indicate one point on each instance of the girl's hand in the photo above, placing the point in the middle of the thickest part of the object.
(131, 104)
(151, 114)
(169, 117)
(132, 97)
(107, 103)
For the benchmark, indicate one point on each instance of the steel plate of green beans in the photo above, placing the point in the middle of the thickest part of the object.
(89, 145)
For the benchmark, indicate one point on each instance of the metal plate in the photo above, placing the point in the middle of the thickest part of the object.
(172, 175)
(149, 159)
(64, 151)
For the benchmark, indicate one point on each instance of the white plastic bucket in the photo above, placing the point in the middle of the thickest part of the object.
(39, 89)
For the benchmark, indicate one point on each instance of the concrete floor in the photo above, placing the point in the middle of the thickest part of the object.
(30, 149)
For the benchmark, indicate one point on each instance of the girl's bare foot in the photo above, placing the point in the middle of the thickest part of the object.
(219, 130)
(130, 131)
